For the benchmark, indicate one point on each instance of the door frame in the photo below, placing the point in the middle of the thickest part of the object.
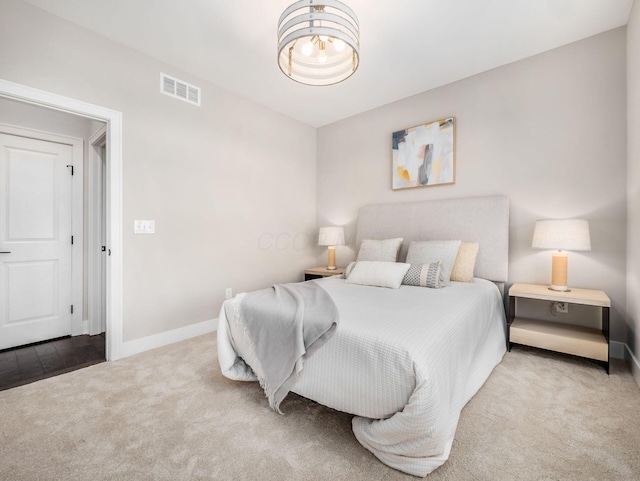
(77, 200)
(94, 232)
(113, 119)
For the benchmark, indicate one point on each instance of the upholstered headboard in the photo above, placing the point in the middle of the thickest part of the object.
(478, 219)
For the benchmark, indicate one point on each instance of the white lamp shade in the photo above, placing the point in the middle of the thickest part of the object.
(562, 234)
(331, 236)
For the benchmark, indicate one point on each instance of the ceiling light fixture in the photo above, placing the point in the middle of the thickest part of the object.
(318, 42)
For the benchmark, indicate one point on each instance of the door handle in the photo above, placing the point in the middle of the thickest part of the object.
(5, 252)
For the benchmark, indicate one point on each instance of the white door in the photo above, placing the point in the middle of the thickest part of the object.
(35, 240)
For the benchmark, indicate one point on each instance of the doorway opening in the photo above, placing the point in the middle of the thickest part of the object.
(111, 274)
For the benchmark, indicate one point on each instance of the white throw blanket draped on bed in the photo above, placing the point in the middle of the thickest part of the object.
(284, 325)
(404, 361)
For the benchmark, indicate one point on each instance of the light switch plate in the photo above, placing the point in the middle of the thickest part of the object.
(144, 227)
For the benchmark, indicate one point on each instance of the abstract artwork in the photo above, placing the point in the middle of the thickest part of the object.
(424, 155)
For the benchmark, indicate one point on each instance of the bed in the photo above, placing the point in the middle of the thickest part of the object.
(405, 361)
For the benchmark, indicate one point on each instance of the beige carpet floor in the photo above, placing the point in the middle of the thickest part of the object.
(169, 414)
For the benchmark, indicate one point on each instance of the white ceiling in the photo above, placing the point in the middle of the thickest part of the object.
(407, 46)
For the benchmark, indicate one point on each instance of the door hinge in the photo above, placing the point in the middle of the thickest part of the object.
(71, 308)
(71, 240)
(71, 168)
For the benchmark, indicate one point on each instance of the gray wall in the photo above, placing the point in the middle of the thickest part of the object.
(221, 181)
(548, 131)
(633, 182)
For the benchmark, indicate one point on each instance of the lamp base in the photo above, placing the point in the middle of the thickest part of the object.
(332, 258)
(559, 266)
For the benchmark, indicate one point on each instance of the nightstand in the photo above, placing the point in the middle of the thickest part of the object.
(318, 272)
(556, 336)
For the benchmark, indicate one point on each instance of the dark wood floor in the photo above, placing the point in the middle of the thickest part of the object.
(26, 364)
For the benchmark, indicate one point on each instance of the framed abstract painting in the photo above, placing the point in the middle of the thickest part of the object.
(425, 155)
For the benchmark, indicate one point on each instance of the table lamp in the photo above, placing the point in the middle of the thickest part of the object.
(561, 235)
(331, 237)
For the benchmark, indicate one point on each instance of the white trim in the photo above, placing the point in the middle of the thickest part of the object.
(95, 294)
(21, 131)
(137, 346)
(635, 365)
(77, 226)
(77, 204)
(620, 350)
(114, 194)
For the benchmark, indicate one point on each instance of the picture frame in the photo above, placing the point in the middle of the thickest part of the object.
(424, 155)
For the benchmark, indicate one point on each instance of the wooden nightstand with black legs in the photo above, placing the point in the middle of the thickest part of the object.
(318, 272)
(555, 336)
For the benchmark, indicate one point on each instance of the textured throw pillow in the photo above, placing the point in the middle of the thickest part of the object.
(348, 269)
(465, 262)
(379, 250)
(380, 274)
(424, 275)
(426, 252)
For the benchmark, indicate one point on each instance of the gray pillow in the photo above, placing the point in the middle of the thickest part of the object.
(379, 250)
(426, 252)
(424, 275)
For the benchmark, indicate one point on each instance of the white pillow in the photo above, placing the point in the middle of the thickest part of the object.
(348, 269)
(426, 252)
(379, 250)
(380, 274)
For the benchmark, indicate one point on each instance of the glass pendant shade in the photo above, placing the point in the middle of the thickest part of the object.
(318, 42)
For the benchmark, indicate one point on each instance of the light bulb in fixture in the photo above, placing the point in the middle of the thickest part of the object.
(307, 49)
(323, 38)
(322, 54)
(338, 44)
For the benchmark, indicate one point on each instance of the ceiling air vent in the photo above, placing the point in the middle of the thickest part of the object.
(179, 89)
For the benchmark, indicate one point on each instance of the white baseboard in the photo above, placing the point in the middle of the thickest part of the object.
(635, 365)
(617, 349)
(620, 350)
(137, 346)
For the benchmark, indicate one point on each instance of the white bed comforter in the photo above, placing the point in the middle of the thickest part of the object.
(404, 361)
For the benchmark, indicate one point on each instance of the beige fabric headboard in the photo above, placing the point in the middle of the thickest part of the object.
(477, 219)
